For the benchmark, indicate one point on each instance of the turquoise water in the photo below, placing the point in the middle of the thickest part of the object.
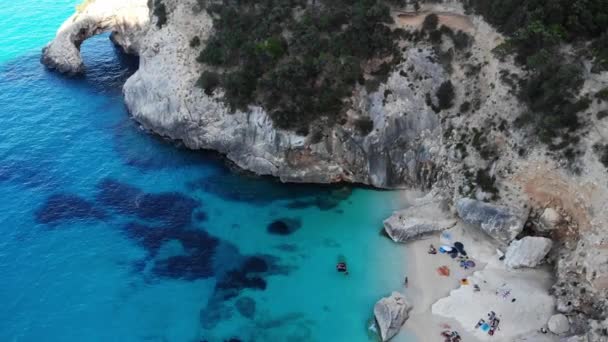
(111, 234)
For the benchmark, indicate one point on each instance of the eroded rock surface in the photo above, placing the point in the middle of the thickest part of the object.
(418, 221)
(527, 252)
(558, 324)
(126, 19)
(502, 223)
(390, 313)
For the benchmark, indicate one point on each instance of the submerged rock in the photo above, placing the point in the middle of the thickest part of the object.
(558, 324)
(67, 207)
(391, 313)
(527, 252)
(245, 306)
(284, 226)
(502, 223)
(417, 221)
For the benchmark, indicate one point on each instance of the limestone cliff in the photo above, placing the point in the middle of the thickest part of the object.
(126, 19)
(472, 149)
(400, 150)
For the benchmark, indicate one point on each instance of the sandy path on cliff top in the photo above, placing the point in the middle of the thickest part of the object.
(456, 22)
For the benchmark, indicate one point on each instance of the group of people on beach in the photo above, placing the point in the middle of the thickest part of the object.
(491, 326)
(451, 336)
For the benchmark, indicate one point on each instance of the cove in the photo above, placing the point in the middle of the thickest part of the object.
(109, 233)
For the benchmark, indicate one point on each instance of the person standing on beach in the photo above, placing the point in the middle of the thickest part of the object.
(406, 281)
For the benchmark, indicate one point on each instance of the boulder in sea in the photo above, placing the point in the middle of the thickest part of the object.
(391, 313)
(527, 252)
(246, 306)
(284, 226)
(502, 223)
(558, 324)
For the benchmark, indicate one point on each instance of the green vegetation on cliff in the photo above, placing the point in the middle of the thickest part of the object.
(538, 31)
(298, 59)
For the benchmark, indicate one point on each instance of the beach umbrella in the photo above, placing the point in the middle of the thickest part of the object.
(445, 249)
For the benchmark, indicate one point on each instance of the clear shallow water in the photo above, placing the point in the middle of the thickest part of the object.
(108, 233)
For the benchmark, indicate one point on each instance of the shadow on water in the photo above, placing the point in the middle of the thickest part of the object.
(107, 67)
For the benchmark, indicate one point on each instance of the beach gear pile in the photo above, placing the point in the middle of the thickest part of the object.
(503, 291)
(451, 336)
(491, 325)
(454, 250)
(443, 271)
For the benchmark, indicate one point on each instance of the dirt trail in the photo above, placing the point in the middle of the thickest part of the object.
(456, 22)
(548, 188)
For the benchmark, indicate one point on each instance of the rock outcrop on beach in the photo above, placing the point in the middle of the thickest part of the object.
(558, 324)
(527, 252)
(391, 313)
(126, 19)
(418, 221)
(502, 223)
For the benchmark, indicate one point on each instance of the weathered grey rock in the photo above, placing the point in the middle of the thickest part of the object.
(558, 324)
(391, 313)
(549, 219)
(418, 221)
(527, 252)
(576, 339)
(582, 277)
(127, 20)
(502, 223)
(402, 228)
(401, 150)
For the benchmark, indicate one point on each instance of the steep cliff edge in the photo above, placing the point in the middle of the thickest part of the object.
(399, 151)
(126, 19)
(471, 145)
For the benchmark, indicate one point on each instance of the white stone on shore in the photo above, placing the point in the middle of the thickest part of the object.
(417, 221)
(527, 252)
(391, 313)
(558, 324)
(549, 219)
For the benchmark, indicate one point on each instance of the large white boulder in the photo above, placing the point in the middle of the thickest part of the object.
(502, 223)
(558, 324)
(418, 221)
(549, 219)
(527, 252)
(391, 313)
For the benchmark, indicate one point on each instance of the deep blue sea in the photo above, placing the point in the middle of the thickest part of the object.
(108, 233)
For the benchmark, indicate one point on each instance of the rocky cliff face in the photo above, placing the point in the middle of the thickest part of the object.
(126, 19)
(470, 150)
(400, 151)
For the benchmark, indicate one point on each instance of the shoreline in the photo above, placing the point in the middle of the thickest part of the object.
(426, 287)
(441, 301)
